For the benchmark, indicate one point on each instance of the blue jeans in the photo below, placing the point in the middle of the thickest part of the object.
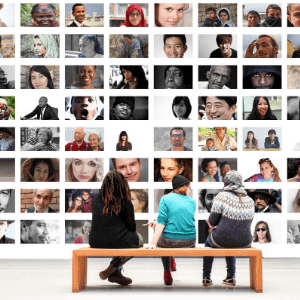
(208, 261)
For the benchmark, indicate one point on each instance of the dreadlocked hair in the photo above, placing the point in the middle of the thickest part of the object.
(115, 192)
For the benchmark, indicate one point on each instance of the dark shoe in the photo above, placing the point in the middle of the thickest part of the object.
(173, 265)
(230, 281)
(107, 272)
(117, 277)
(168, 277)
(207, 282)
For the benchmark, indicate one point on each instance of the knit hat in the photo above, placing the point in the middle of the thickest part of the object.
(179, 181)
(255, 69)
(233, 182)
(128, 100)
(272, 36)
(271, 198)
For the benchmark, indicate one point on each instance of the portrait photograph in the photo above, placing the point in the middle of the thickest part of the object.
(293, 15)
(84, 15)
(173, 46)
(173, 108)
(206, 199)
(217, 46)
(39, 108)
(217, 77)
(293, 46)
(293, 169)
(84, 46)
(77, 231)
(7, 139)
(262, 15)
(164, 14)
(40, 45)
(40, 138)
(166, 168)
(40, 77)
(173, 138)
(293, 81)
(293, 232)
(84, 108)
(214, 169)
(217, 138)
(84, 77)
(128, 77)
(40, 169)
(128, 15)
(293, 108)
(7, 108)
(173, 77)
(7, 77)
(217, 15)
(40, 15)
(7, 233)
(129, 108)
(139, 200)
(262, 107)
(39, 231)
(40, 201)
(293, 201)
(7, 45)
(262, 139)
(92, 136)
(79, 200)
(128, 46)
(7, 200)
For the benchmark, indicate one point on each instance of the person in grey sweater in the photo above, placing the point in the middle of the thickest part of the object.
(229, 221)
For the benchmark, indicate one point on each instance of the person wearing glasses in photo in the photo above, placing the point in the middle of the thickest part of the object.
(178, 137)
(262, 233)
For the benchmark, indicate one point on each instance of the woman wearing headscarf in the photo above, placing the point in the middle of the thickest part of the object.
(229, 221)
(134, 17)
(90, 47)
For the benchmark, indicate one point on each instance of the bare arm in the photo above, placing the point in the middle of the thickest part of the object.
(159, 228)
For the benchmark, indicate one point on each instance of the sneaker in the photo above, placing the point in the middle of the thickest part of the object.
(173, 265)
(207, 282)
(117, 277)
(229, 281)
(168, 277)
(107, 272)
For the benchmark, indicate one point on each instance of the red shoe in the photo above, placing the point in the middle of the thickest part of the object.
(173, 265)
(168, 277)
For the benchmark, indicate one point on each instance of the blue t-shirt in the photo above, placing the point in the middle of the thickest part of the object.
(177, 213)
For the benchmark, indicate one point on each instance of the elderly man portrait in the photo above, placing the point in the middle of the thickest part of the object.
(85, 108)
(122, 109)
(42, 112)
(264, 201)
(131, 47)
(7, 140)
(217, 76)
(35, 232)
(79, 144)
(222, 140)
(219, 107)
(41, 200)
(3, 227)
(224, 42)
(267, 46)
(78, 12)
(178, 137)
(262, 77)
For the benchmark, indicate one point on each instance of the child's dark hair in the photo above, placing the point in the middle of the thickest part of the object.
(210, 9)
(253, 12)
(271, 131)
(180, 36)
(210, 139)
(130, 36)
(272, 6)
(225, 11)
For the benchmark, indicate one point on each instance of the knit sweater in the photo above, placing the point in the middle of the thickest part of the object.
(233, 220)
(177, 213)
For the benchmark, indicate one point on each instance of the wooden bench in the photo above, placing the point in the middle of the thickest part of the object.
(79, 260)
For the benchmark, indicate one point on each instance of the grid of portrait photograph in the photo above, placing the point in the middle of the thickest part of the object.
(139, 84)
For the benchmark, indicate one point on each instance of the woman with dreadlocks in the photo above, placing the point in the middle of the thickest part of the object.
(113, 224)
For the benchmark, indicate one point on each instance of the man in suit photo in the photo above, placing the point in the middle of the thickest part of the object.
(78, 12)
(41, 199)
(42, 112)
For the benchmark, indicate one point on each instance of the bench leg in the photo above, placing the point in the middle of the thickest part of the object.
(256, 273)
(79, 273)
